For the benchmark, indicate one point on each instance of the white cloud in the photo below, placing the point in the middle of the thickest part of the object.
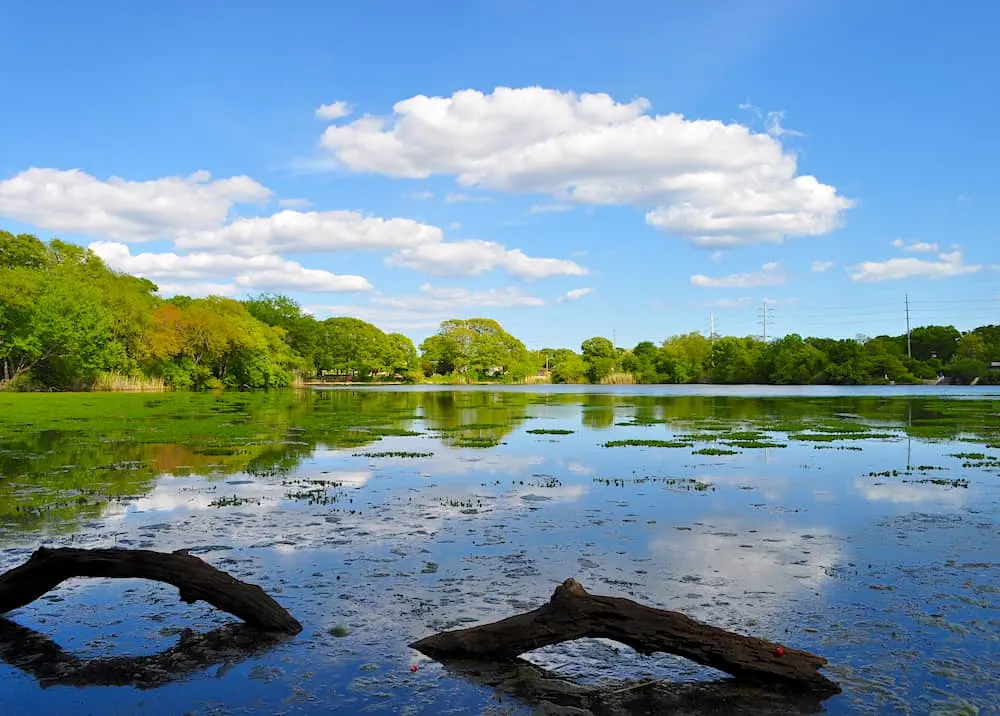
(297, 231)
(420, 195)
(472, 257)
(712, 183)
(949, 264)
(772, 121)
(248, 272)
(196, 289)
(770, 274)
(75, 202)
(429, 307)
(334, 110)
(916, 246)
(821, 266)
(575, 294)
(550, 208)
(460, 198)
(388, 319)
(443, 299)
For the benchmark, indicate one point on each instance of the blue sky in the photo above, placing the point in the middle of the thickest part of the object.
(568, 168)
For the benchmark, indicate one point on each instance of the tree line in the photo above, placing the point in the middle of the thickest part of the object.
(929, 353)
(67, 321)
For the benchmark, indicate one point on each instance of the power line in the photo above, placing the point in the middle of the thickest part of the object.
(909, 349)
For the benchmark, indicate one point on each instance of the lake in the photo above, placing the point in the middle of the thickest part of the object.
(859, 524)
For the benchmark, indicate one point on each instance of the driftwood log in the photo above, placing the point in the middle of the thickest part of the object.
(573, 613)
(193, 577)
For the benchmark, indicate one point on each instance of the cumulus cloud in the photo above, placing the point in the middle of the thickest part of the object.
(75, 202)
(334, 110)
(575, 294)
(430, 306)
(297, 231)
(821, 266)
(715, 184)
(770, 274)
(388, 319)
(916, 246)
(948, 264)
(444, 299)
(247, 272)
(472, 257)
(195, 289)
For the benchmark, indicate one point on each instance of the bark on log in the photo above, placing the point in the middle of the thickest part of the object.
(573, 613)
(193, 577)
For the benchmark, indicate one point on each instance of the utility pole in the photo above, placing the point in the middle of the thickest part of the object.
(764, 318)
(909, 349)
(711, 323)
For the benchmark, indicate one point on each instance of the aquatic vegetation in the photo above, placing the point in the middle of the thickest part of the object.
(470, 441)
(549, 431)
(832, 436)
(753, 444)
(648, 443)
(394, 453)
(234, 501)
(954, 482)
(714, 451)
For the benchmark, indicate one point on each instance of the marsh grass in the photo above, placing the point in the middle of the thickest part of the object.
(618, 379)
(122, 383)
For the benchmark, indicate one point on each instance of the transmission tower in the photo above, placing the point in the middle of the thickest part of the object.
(765, 317)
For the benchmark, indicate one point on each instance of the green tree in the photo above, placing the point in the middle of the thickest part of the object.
(475, 347)
(600, 356)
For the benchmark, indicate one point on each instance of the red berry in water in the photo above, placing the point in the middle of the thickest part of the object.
(780, 651)
(414, 667)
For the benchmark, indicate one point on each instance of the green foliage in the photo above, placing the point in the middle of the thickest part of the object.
(68, 322)
(476, 348)
(600, 357)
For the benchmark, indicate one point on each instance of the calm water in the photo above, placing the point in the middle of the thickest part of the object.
(859, 525)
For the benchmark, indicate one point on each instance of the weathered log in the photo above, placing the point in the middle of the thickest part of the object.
(193, 577)
(573, 613)
(37, 655)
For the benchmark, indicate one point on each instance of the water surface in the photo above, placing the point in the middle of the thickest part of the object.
(860, 525)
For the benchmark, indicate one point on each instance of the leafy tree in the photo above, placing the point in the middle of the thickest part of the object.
(600, 356)
(476, 347)
(569, 367)
(687, 357)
